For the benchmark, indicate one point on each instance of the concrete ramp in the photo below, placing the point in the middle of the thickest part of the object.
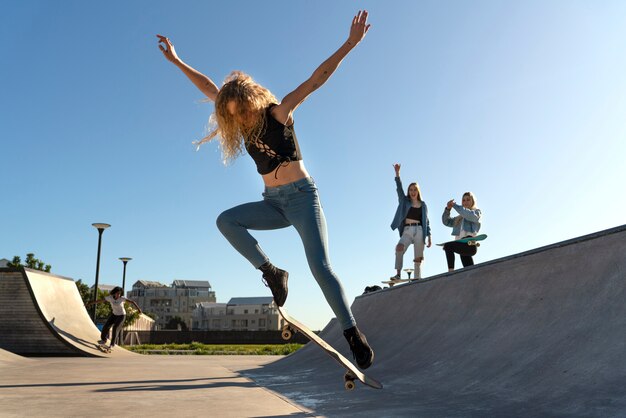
(7, 358)
(42, 314)
(542, 333)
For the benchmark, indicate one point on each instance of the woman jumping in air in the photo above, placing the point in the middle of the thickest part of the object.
(411, 221)
(250, 118)
(465, 224)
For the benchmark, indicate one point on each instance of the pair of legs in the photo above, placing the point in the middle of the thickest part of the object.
(295, 204)
(116, 322)
(465, 250)
(411, 235)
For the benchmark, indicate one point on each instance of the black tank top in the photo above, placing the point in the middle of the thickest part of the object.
(415, 213)
(277, 144)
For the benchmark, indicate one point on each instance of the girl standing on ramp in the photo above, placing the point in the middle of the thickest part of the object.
(465, 224)
(249, 117)
(118, 314)
(411, 221)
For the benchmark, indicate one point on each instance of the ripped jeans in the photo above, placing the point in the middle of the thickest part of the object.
(411, 235)
(290, 204)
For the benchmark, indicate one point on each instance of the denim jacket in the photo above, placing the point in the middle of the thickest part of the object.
(404, 204)
(470, 220)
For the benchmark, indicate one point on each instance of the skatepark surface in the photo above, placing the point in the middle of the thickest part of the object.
(541, 333)
(139, 386)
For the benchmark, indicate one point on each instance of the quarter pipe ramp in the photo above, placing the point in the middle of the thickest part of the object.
(42, 314)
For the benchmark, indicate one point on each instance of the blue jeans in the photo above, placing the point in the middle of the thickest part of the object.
(294, 204)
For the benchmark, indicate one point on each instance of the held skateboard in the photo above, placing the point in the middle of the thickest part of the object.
(352, 373)
(469, 240)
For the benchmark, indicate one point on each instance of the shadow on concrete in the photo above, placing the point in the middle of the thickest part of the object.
(85, 343)
(169, 388)
(130, 382)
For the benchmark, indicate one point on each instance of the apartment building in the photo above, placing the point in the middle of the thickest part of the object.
(239, 314)
(167, 302)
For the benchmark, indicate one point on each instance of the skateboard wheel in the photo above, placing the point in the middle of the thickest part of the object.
(349, 381)
(286, 334)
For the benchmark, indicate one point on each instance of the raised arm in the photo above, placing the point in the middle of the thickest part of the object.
(399, 188)
(132, 302)
(95, 302)
(469, 214)
(202, 82)
(290, 102)
(445, 217)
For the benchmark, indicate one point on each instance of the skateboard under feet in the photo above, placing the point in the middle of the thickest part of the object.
(391, 283)
(104, 348)
(352, 372)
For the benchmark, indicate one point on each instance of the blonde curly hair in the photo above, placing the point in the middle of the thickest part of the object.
(234, 131)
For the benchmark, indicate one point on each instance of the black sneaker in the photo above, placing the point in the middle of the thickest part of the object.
(362, 352)
(276, 280)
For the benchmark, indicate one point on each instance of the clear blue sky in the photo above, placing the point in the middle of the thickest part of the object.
(522, 103)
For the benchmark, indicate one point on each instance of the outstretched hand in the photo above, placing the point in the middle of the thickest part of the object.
(359, 28)
(168, 51)
(396, 167)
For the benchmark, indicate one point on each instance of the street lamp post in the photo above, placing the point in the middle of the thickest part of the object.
(124, 260)
(100, 227)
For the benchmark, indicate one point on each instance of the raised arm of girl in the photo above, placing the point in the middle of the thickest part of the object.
(201, 81)
(358, 29)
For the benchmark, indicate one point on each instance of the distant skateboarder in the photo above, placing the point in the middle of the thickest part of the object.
(116, 319)
(411, 221)
(465, 224)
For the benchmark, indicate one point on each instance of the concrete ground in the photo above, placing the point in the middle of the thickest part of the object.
(141, 386)
(536, 334)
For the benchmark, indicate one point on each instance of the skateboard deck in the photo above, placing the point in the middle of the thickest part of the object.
(468, 240)
(398, 281)
(391, 282)
(352, 372)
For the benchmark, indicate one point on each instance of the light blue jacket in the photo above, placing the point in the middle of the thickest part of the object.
(404, 204)
(470, 220)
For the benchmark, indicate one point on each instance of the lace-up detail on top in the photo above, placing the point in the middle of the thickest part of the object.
(275, 145)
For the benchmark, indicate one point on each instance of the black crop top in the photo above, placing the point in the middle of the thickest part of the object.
(415, 214)
(277, 144)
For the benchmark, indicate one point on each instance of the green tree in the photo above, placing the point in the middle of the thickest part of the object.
(84, 290)
(175, 322)
(31, 262)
